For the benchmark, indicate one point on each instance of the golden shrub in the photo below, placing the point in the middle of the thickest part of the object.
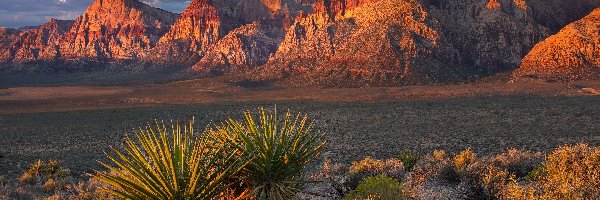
(465, 159)
(50, 185)
(368, 165)
(572, 172)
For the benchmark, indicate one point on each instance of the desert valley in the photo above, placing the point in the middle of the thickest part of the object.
(404, 99)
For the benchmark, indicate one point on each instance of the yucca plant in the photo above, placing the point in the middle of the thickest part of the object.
(170, 164)
(279, 151)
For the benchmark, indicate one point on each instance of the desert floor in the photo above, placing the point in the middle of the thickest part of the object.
(77, 124)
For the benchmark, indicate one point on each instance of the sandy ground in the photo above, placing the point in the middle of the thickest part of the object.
(51, 99)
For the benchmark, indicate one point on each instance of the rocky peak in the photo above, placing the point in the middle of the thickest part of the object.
(42, 42)
(384, 42)
(571, 54)
(116, 30)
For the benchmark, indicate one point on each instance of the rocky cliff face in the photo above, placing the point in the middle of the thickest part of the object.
(571, 54)
(491, 35)
(36, 43)
(115, 30)
(231, 25)
(42, 43)
(9, 38)
(380, 42)
(243, 48)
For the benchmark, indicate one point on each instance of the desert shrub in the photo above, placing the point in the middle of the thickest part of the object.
(409, 160)
(494, 180)
(570, 172)
(520, 163)
(378, 187)
(41, 172)
(427, 171)
(90, 189)
(162, 163)
(331, 178)
(464, 160)
(50, 185)
(278, 151)
(370, 167)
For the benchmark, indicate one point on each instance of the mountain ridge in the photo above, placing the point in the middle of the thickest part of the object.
(313, 42)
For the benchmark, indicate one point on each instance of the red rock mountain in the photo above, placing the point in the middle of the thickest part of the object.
(206, 23)
(380, 42)
(39, 43)
(491, 35)
(571, 54)
(115, 30)
(243, 48)
(317, 42)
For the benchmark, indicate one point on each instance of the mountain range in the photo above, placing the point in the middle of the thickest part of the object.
(321, 42)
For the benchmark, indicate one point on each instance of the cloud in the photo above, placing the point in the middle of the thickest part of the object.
(18, 13)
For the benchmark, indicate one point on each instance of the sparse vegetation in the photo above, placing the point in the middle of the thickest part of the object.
(482, 171)
(377, 188)
(370, 167)
(409, 159)
(278, 151)
(162, 163)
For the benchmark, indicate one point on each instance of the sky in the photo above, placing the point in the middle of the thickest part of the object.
(19, 13)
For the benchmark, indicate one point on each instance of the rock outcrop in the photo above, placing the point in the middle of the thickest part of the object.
(231, 26)
(9, 43)
(34, 43)
(243, 48)
(491, 35)
(363, 42)
(571, 54)
(42, 43)
(112, 30)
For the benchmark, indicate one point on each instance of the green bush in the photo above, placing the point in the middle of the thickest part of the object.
(278, 150)
(409, 159)
(169, 164)
(378, 187)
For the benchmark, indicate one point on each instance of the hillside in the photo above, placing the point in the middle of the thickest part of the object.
(571, 54)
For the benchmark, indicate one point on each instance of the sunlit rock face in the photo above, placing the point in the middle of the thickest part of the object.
(33, 43)
(218, 35)
(9, 43)
(42, 43)
(243, 48)
(320, 42)
(381, 42)
(571, 54)
(115, 30)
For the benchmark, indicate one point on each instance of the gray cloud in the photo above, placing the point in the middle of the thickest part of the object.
(18, 13)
